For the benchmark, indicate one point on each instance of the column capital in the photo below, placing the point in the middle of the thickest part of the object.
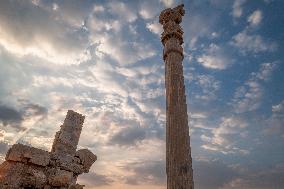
(170, 19)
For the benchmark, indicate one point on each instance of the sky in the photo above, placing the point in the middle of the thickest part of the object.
(103, 59)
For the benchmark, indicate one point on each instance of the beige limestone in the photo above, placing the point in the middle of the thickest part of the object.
(178, 152)
(27, 154)
(86, 158)
(60, 178)
(29, 167)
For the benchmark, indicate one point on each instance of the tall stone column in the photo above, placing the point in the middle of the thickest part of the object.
(66, 140)
(178, 154)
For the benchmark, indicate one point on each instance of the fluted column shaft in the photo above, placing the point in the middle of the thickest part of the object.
(178, 154)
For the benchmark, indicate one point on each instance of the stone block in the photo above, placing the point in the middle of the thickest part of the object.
(34, 177)
(87, 158)
(28, 167)
(27, 154)
(66, 140)
(17, 174)
(60, 177)
(10, 174)
(76, 186)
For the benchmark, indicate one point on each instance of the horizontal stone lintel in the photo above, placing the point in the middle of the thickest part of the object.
(27, 154)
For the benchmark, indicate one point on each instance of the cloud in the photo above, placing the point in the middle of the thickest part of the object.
(265, 71)
(124, 52)
(169, 3)
(3, 148)
(252, 43)
(146, 172)
(214, 58)
(212, 62)
(149, 9)
(92, 179)
(270, 177)
(128, 136)
(71, 12)
(217, 173)
(32, 114)
(20, 120)
(278, 108)
(155, 28)
(98, 8)
(42, 35)
(10, 116)
(224, 138)
(255, 18)
(249, 96)
(198, 115)
(119, 86)
(122, 10)
(108, 33)
(30, 109)
(212, 173)
(199, 26)
(206, 87)
(237, 8)
(274, 124)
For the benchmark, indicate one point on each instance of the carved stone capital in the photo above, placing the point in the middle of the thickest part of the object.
(170, 19)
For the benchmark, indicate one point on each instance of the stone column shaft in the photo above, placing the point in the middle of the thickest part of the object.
(178, 152)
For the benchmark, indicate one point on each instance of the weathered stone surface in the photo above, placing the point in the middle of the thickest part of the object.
(27, 154)
(11, 174)
(87, 158)
(18, 174)
(34, 177)
(66, 140)
(68, 163)
(28, 167)
(76, 186)
(178, 152)
(60, 177)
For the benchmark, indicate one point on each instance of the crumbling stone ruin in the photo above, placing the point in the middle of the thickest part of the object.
(27, 167)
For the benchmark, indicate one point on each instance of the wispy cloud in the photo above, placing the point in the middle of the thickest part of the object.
(223, 138)
(155, 28)
(146, 172)
(214, 58)
(123, 11)
(249, 96)
(251, 43)
(207, 87)
(250, 179)
(237, 8)
(274, 124)
(255, 18)
(43, 36)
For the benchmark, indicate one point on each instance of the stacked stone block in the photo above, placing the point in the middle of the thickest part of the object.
(28, 167)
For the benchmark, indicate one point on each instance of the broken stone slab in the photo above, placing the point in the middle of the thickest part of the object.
(27, 154)
(67, 162)
(87, 158)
